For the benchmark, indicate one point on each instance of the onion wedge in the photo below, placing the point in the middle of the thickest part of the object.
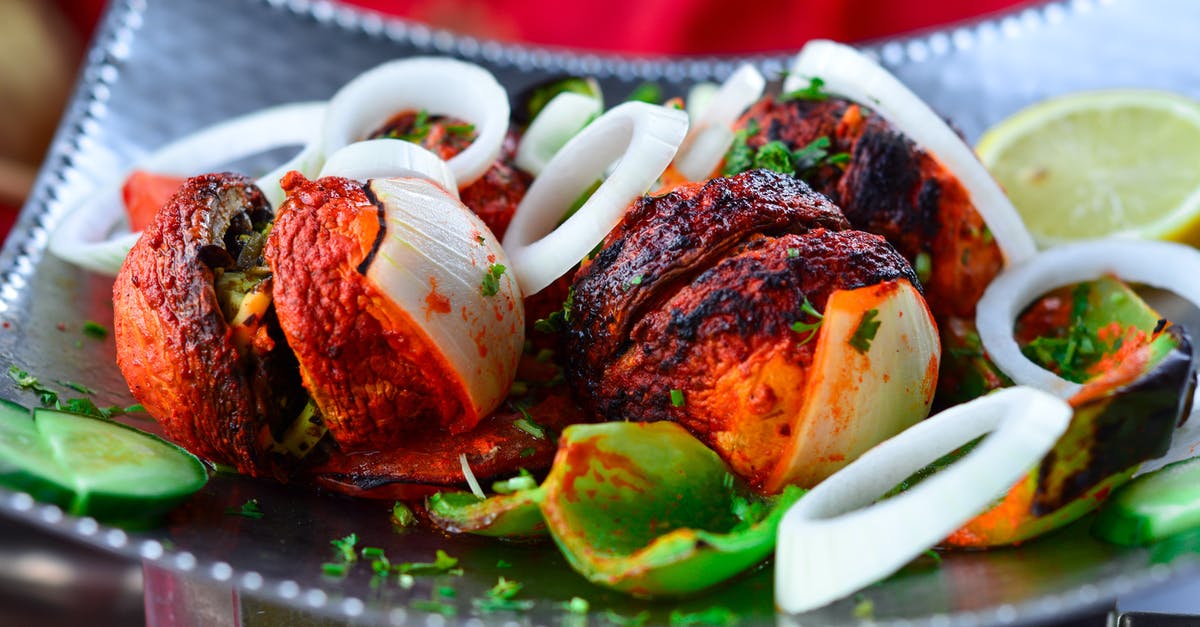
(851, 74)
(711, 132)
(1164, 265)
(440, 86)
(560, 120)
(95, 234)
(836, 539)
(643, 137)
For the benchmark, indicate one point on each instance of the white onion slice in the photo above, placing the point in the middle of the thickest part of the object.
(834, 541)
(848, 73)
(642, 136)
(389, 158)
(436, 251)
(560, 120)
(1173, 267)
(472, 482)
(95, 234)
(440, 86)
(698, 97)
(710, 134)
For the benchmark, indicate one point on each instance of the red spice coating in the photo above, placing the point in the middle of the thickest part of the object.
(370, 368)
(174, 346)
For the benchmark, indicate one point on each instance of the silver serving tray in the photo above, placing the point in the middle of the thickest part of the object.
(159, 69)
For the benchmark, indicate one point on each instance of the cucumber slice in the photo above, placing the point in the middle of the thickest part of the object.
(27, 463)
(119, 473)
(1153, 506)
(89, 466)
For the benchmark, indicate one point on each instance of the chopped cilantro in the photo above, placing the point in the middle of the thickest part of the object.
(636, 280)
(402, 516)
(577, 605)
(528, 451)
(793, 252)
(491, 280)
(811, 328)
(677, 399)
(864, 608)
(711, 616)
(78, 387)
(372, 552)
(740, 156)
(527, 424)
(637, 620)
(480, 239)
(335, 569)
(418, 132)
(442, 564)
(812, 155)
(502, 598)
(344, 548)
(814, 91)
(95, 330)
(447, 591)
(434, 607)
(249, 509)
(923, 266)
(1068, 354)
(868, 326)
(934, 555)
(503, 564)
(460, 129)
(774, 155)
(558, 320)
(646, 92)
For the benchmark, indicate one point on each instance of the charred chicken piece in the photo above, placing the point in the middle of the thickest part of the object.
(197, 338)
(890, 187)
(495, 196)
(690, 312)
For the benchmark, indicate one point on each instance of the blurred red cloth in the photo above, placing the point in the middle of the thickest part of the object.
(687, 26)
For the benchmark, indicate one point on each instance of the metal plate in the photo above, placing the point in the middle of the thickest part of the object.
(160, 69)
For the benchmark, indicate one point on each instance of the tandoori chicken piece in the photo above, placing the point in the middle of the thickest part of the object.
(703, 306)
(197, 338)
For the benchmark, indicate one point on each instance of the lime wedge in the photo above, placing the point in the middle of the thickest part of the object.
(1102, 163)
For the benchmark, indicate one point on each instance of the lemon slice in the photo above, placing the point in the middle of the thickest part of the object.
(1102, 163)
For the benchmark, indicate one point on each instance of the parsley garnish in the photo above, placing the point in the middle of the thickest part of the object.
(677, 399)
(814, 91)
(557, 320)
(249, 509)
(48, 397)
(810, 328)
(711, 616)
(491, 280)
(868, 326)
(95, 330)
(812, 155)
(775, 155)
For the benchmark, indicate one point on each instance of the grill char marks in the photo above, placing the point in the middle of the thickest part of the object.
(174, 344)
(892, 188)
(725, 269)
(665, 241)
